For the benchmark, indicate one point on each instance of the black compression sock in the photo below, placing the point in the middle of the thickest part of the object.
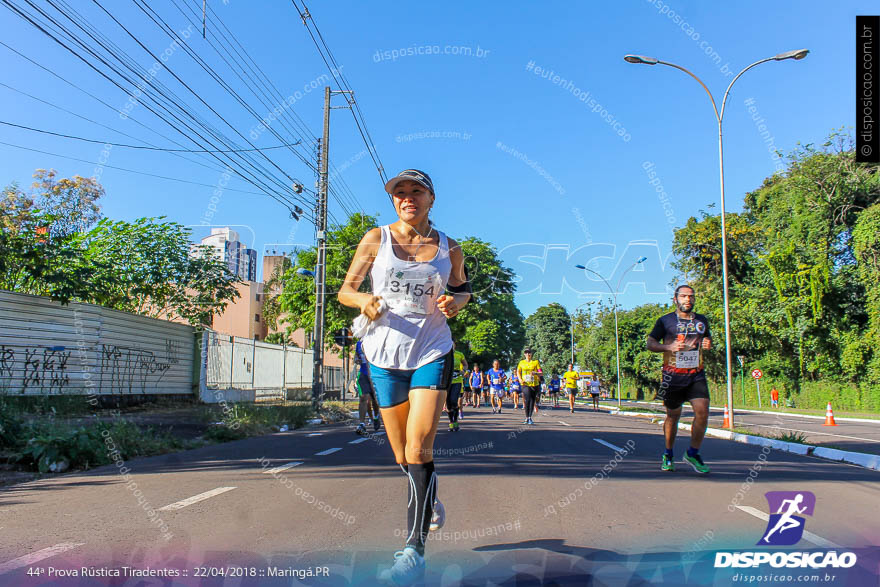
(420, 505)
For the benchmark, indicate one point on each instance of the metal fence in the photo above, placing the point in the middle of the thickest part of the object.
(47, 348)
(243, 369)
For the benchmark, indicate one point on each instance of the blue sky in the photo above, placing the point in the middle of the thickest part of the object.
(518, 160)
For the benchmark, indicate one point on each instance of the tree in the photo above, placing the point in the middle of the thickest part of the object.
(15, 207)
(490, 326)
(144, 267)
(797, 303)
(297, 298)
(72, 202)
(548, 334)
(150, 267)
(32, 262)
(594, 336)
(865, 349)
(271, 306)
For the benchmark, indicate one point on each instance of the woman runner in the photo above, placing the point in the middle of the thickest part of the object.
(412, 266)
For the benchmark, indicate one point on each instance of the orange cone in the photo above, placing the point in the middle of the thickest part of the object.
(726, 423)
(829, 416)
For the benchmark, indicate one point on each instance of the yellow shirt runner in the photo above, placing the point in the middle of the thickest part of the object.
(571, 378)
(529, 370)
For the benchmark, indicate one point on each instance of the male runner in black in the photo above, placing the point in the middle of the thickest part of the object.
(685, 336)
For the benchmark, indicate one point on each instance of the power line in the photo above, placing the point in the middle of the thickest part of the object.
(250, 175)
(100, 101)
(269, 92)
(148, 148)
(228, 189)
(343, 83)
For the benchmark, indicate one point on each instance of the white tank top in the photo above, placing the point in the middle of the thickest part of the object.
(413, 332)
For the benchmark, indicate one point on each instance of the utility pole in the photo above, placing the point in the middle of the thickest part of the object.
(320, 273)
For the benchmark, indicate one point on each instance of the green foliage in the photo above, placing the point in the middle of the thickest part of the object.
(595, 341)
(50, 444)
(491, 326)
(150, 267)
(296, 302)
(804, 264)
(11, 427)
(73, 203)
(548, 333)
(866, 243)
(793, 436)
(271, 305)
(245, 420)
(147, 266)
(798, 277)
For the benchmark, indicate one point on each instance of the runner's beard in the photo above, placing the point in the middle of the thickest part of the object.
(685, 307)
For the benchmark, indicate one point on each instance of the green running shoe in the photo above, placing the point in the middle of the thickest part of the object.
(668, 464)
(451, 426)
(697, 463)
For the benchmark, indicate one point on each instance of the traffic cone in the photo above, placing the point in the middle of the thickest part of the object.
(829, 416)
(726, 423)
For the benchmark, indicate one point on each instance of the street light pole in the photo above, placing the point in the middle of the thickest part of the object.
(614, 298)
(641, 59)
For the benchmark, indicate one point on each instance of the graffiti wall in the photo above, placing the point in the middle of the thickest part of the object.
(82, 349)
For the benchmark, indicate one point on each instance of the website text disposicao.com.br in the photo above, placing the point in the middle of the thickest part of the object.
(455, 50)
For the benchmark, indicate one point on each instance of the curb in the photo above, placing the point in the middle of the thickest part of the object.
(867, 461)
(786, 414)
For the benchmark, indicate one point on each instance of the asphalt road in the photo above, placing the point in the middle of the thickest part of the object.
(551, 503)
(847, 435)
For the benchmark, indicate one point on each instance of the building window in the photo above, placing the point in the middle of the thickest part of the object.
(256, 317)
(258, 297)
(256, 337)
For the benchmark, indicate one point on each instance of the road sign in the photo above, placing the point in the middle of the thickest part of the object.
(757, 374)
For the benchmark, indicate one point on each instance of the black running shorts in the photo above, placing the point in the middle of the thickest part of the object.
(676, 389)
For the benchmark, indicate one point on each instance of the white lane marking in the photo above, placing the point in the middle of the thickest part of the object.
(804, 431)
(380, 433)
(817, 540)
(35, 557)
(194, 499)
(608, 444)
(358, 441)
(329, 451)
(564, 423)
(283, 467)
(314, 434)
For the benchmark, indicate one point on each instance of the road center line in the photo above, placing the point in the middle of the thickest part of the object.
(194, 499)
(283, 467)
(329, 451)
(817, 540)
(564, 423)
(608, 444)
(35, 557)
(358, 441)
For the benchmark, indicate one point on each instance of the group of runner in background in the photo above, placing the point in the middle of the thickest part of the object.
(473, 387)
(491, 388)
